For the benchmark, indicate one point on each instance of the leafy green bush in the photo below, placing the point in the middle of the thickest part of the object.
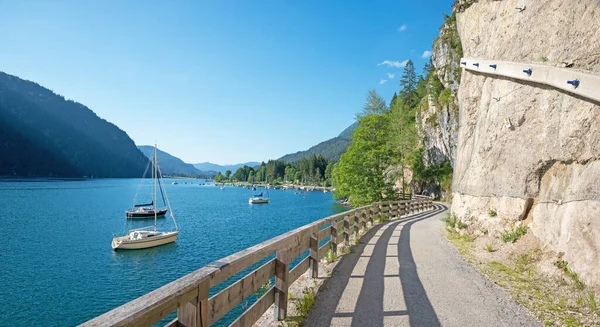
(492, 213)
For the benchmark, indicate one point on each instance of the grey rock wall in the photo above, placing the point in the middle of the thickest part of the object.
(546, 166)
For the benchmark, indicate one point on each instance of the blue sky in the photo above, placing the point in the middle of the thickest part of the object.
(219, 81)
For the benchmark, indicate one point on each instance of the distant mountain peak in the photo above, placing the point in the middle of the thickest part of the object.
(331, 149)
(171, 165)
(224, 168)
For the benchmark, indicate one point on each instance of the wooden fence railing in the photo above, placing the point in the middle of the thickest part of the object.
(189, 295)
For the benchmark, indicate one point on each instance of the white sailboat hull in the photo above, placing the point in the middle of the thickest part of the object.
(258, 200)
(127, 243)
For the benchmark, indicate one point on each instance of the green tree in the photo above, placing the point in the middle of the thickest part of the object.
(227, 173)
(375, 104)
(219, 178)
(403, 137)
(408, 82)
(359, 174)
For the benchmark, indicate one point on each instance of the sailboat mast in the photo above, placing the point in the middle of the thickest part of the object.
(154, 185)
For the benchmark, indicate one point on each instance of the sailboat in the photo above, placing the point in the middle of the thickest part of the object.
(149, 210)
(147, 237)
(259, 199)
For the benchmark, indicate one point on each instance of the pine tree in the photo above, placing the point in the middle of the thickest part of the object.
(408, 82)
(375, 104)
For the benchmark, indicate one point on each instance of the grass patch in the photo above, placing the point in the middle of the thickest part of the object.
(592, 301)
(450, 220)
(511, 236)
(489, 247)
(492, 213)
(577, 283)
(345, 250)
(554, 301)
(543, 58)
(303, 305)
(330, 256)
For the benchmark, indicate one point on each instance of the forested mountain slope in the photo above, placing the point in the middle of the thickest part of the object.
(171, 165)
(331, 149)
(43, 134)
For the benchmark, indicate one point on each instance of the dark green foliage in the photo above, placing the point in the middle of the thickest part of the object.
(445, 98)
(451, 35)
(308, 171)
(331, 149)
(408, 83)
(43, 134)
(441, 174)
(207, 166)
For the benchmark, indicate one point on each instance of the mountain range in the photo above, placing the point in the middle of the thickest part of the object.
(43, 134)
(171, 165)
(331, 149)
(207, 166)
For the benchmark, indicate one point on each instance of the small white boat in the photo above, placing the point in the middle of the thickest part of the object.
(258, 200)
(174, 183)
(140, 239)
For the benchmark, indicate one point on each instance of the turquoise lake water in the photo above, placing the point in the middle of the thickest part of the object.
(57, 267)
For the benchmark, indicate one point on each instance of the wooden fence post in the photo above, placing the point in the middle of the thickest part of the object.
(195, 312)
(370, 218)
(314, 255)
(334, 234)
(282, 270)
(356, 223)
(346, 231)
(363, 219)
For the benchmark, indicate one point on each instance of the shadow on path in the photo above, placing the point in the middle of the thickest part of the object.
(369, 299)
(420, 311)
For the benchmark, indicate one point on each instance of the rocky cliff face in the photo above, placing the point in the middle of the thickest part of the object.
(438, 117)
(546, 168)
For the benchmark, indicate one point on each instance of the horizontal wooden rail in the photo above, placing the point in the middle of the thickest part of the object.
(189, 295)
(584, 84)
